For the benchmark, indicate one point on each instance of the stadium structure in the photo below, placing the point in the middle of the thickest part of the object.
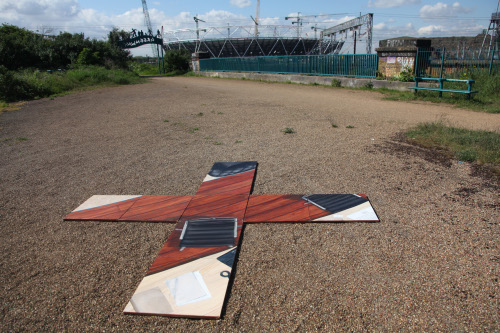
(252, 40)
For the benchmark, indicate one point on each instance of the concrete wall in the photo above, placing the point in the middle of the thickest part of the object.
(310, 79)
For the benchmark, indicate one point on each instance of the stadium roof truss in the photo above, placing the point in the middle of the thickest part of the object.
(354, 24)
(244, 41)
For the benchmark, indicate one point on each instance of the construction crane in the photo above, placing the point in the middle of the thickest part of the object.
(300, 20)
(147, 23)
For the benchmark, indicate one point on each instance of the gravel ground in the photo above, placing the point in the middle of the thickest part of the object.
(432, 264)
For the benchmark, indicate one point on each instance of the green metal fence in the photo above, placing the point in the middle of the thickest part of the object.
(356, 65)
(456, 64)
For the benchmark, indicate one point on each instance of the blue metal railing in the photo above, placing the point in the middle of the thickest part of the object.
(456, 64)
(354, 65)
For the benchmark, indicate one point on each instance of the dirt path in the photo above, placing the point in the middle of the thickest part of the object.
(431, 264)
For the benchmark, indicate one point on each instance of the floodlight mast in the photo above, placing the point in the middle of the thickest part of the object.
(196, 19)
(257, 19)
(147, 22)
(494, 28)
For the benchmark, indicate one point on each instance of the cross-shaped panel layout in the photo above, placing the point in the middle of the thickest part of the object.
(190, 276)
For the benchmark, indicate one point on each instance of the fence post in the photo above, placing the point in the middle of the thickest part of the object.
(442, 63)
(416, 63)
(491, 60)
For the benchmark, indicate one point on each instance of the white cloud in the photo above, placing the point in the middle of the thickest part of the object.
(52, 10)
(443, 9)
(391, 3)
(240, 3)
(431, 30)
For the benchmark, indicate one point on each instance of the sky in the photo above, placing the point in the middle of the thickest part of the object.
(392, 18)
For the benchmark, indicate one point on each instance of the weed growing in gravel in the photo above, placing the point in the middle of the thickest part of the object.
(200, 114)
(217, 143)
(192, 130)
(349, 126)
(238, 141)
(336, 83)
(334, 125)
(166, 121)
(464, 144)
(288, 130)
(22, 138)
(368, 85)
(220, 112)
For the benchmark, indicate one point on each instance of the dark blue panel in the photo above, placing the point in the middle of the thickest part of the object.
(335, 203)
(209, 232)
(223, 169)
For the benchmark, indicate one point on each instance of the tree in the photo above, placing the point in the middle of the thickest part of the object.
(177, 60)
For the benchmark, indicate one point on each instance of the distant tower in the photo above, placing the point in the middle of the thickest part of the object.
(494, 31)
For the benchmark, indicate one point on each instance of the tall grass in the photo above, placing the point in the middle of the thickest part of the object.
(465, 145)
(29, 84)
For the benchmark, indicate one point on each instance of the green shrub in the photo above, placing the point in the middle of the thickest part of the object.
(177, 60)
(406, 75)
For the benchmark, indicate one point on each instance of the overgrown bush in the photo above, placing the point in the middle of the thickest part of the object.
(29, 84)
(177, 60)
(406, 75)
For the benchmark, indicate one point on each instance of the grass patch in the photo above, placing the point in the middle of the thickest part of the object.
(465, 145)
(486, 100)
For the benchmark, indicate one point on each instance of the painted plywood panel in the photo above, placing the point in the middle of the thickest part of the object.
(102, 208)
(276, 208)
(196, 289)
(157, 208)
(216, 206)
(340, 207)
(229, 178)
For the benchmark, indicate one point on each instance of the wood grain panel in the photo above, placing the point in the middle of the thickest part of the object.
(170, 254)
(316, 212)
(236, 184)
(157, 208)
(276, 208)
(216, 206)
(109, 212)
